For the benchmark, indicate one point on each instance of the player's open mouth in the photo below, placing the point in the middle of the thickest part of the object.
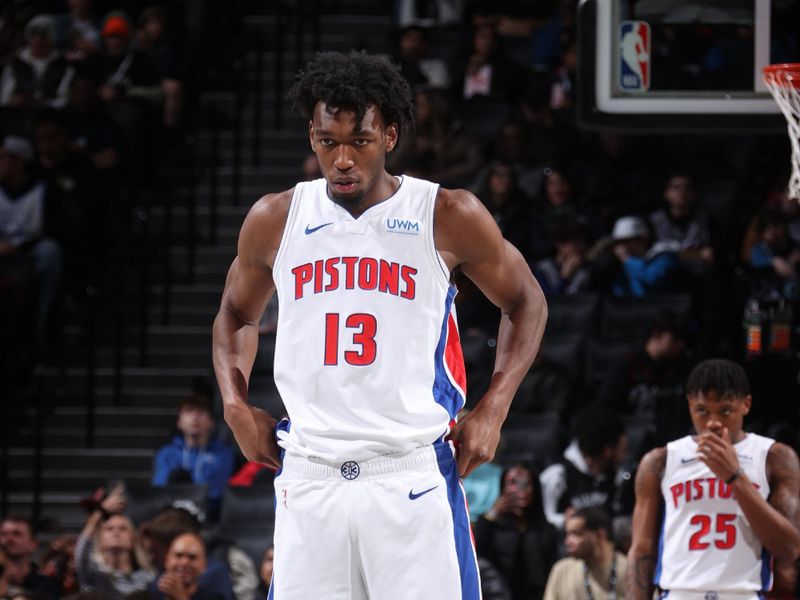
(344, 187)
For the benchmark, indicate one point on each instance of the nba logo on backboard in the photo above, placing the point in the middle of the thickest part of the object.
(634, 55)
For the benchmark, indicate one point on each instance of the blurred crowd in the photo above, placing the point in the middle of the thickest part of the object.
(603, 218)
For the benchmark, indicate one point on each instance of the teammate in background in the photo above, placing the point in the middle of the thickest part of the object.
(367, 358)
(731, 500)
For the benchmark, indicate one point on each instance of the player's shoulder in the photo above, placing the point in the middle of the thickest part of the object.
(782, 460)
(654, 462)
(457, 203)
(271, 206)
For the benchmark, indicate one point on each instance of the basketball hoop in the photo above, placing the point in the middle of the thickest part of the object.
(783, 81)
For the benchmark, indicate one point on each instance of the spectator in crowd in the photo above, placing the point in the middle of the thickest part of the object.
(648, 381)
(311, 170)
(22, 224)
(77, 34)
(183, 569)
(503, 198)
(775, 258)
(419, 68)
(557, 204)
(482, 488)
(70, 197)
(487, 70)
(682, 224)
(153, 39)
(58, 563)
(228, 566)
(590, 473)
(642, 269)
(4, 588)
(18, 544)
(107, 556)
(441, 148)
(566, 272)
(550, 137)
(515, 536)
(593, 568)
(92, 130)
(38, 75)
(265, 573)
(194, 455)
(510, 146)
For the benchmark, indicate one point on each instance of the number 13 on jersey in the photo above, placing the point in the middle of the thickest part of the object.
(358, 327)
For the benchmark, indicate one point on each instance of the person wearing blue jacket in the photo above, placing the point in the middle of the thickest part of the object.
(194, 455)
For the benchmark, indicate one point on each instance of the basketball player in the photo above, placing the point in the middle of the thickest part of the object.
(367, 360)
(730, 500)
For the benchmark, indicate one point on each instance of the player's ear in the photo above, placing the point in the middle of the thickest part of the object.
(311, 135)
(748, 402)
(392, 136)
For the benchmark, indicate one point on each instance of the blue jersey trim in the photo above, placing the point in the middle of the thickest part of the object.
(657, 576)
(467, 563)
(766, 569)
(444, 392)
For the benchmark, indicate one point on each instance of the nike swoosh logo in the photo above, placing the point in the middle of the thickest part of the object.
(688, 460)
(413, 496)
(310, 230)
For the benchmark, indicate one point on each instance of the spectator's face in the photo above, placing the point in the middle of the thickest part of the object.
(512, 141)
(423, 111)
(711, 412)
(265, 570)
(501, 180)
(775, 235)
(679, 195)
(116, 534)
(672, 345)
(352, 156)
(80, 6)
(82, 95)
(484, 41)
(115, 45)
(557, 189)
(412, 44)
(579, 541)
(40, 44)
(16, 539)
(518, 481)
(186, 559)
(154, 28)
(11, 166)
(51, 140)
(311, 168)
(195, 421)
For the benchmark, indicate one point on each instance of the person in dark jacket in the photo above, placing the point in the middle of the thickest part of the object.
(515, 536)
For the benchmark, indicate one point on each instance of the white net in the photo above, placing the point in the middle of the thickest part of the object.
(783, 82)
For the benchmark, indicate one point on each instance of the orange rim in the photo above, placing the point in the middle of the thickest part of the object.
(783, 74)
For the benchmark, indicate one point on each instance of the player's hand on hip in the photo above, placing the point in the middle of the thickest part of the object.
(716, 451)
(477, 436)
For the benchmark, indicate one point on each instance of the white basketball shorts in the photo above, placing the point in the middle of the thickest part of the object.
(390, 528)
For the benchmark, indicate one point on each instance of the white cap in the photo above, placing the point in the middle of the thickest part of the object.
(18, 146)
(44, 23)
(629, 227)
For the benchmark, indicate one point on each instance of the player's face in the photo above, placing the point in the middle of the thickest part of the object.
(352, 155)
(711, 412)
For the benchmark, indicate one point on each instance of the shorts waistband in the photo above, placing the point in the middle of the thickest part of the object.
(710, 595)
(423, 458)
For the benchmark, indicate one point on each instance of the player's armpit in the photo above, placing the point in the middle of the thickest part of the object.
(645, 526)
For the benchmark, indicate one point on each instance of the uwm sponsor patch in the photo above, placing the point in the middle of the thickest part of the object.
(403, 226)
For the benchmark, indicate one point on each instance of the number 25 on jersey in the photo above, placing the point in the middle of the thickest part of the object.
(723, 537)
(358, 327)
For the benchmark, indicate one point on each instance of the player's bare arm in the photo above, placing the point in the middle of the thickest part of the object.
(467, 236)
(645, 526)
(775, 522)
(248, 288)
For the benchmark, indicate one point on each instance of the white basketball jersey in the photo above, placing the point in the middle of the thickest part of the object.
(367, 357)
(706, 543)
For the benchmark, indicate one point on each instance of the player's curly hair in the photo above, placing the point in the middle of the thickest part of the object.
(354, 80)
(720, 375)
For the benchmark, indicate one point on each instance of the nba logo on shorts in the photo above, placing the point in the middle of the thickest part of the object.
(634, 55)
